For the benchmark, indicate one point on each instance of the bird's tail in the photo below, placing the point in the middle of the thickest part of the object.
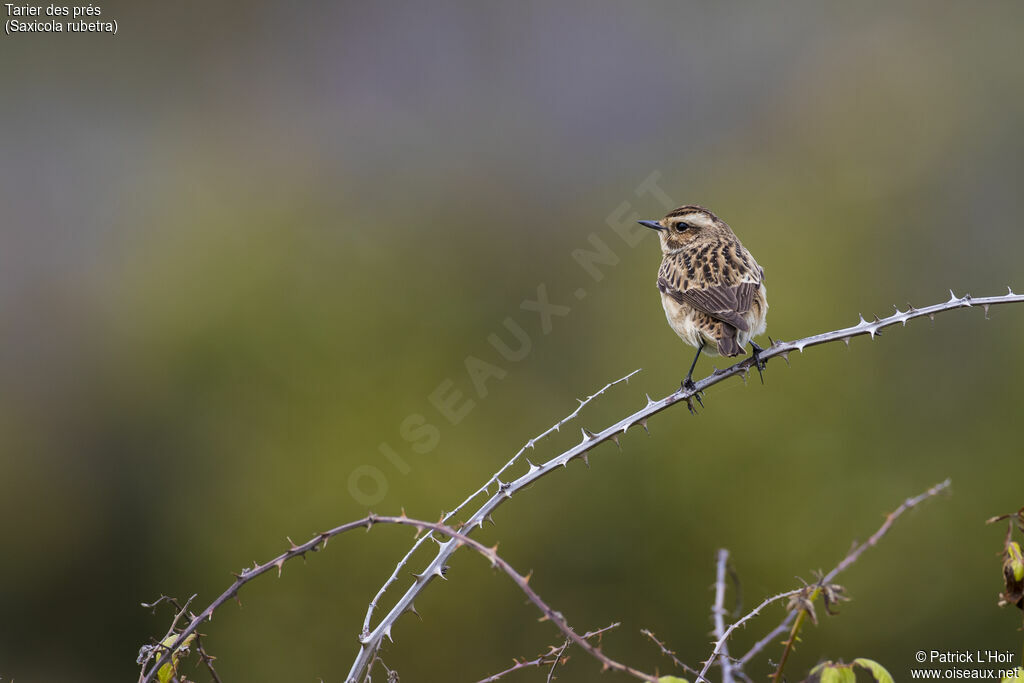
(727, 344)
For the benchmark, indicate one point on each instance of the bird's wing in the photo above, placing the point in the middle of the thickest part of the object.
(727, 303)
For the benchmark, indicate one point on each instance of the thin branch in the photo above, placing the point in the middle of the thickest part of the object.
(554, 662)
(718, 612)
(205, 657)
(855, 552)
(149, 651)
(767, 640)
(320, 540)
(858, 550)
(669, 653)
(494, 480)
(720, 643)
(370, 642)
(554, 651)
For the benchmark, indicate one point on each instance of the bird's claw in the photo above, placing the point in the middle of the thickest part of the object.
(688, 385)
(758, 363)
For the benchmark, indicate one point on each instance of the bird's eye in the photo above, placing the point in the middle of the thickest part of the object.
(680, 227)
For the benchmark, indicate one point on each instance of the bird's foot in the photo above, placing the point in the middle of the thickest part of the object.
(758, 363)
(688, 385)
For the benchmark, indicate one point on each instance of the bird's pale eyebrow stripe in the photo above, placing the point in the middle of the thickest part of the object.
(685, 211)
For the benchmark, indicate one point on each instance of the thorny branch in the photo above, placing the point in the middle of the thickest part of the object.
(320, 541)
(494, 480)
(669, 653)
(370, 642)
(180, 610)
(553, 656)
(823, 583)
(718, 612)
(855, 552)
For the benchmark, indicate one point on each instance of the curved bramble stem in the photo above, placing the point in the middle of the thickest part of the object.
(493, 481)
(454, 536)
(370, 642)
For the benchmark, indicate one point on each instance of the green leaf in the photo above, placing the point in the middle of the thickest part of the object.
(878, 672)
(1015, 560)
(672, 679)
(830, 672)
(168, 670)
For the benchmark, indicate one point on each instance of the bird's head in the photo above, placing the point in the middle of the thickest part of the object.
(687, 226)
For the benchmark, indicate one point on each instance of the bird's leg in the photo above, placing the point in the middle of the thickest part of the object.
(758, 363)
(688, 382)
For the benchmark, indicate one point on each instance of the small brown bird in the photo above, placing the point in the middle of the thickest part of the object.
(712, 289)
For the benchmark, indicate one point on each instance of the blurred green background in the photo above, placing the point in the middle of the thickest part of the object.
(242, 244)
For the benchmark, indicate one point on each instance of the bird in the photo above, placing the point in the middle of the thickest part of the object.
(711, 287)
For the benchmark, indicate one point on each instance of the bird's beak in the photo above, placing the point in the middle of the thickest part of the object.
(653, 225)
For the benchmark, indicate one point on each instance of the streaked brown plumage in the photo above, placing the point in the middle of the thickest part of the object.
(711, 287)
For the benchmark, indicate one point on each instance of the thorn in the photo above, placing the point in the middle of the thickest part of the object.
(643, 423)
(1009, 291)
(387, 632)
(280, 566)
(800, 347)
(615, 438)
(785, 357)
(412, 608)
(862, 322)
(910, 308)
(529, 575)
(985, 307)
(586, 461)
(533, 468)
(291, 544)
(490, 519)
(530, 443)
(876, 319)
(846, 340)
(931, 317)
(650, 401)
(587, 434)
(952, 297)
